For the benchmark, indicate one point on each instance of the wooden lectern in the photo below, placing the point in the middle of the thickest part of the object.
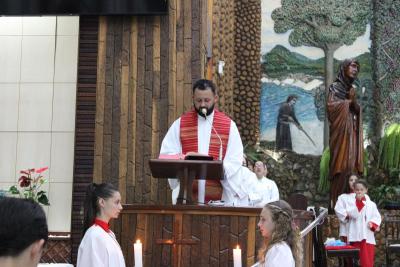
(186, 171)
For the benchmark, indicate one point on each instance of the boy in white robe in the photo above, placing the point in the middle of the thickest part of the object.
(364, 221)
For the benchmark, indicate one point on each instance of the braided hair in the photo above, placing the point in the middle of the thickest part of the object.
(284, 230)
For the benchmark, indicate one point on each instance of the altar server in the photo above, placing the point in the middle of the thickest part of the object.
(364, 220)
(99, 247)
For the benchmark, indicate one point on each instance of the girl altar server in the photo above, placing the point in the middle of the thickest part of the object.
(282, 245)
(99, 247)
(364, 220)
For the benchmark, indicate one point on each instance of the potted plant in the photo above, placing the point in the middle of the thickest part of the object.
(29, 186)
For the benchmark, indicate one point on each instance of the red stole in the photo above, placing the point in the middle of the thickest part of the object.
(189, 141)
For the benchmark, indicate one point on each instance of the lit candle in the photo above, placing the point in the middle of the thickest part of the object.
(237, 257)
(138, 253)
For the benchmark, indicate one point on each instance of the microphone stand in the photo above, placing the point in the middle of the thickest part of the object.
(204, 111)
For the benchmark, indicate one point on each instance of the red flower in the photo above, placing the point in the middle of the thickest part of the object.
(24, 181)
(25, 172)
(42, 169)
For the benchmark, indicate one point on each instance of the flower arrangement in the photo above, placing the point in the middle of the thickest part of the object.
(29, 184)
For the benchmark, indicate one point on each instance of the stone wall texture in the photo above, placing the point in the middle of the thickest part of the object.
(246, 105)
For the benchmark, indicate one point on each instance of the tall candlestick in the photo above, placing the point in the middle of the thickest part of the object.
(138, 253)
(237, 257)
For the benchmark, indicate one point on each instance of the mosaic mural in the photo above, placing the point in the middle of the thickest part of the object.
(298, 70)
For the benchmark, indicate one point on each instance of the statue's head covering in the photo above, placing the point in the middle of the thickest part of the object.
(342, 77)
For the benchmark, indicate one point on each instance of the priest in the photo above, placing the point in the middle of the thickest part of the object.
(204, 130)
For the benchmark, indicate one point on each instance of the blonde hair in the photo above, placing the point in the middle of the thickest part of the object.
(284, 230)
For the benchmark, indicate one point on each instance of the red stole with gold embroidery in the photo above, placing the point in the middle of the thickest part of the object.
(189, 141)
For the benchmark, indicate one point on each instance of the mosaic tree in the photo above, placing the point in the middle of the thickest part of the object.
(325, 24)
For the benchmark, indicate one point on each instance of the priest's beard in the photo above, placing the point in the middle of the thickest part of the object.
(209, 110)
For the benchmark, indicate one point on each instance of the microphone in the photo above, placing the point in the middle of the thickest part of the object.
(204, 112)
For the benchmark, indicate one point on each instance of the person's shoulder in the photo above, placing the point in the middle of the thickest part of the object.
(281, 247)
(95, 232)
(268, 180)
(346, 196)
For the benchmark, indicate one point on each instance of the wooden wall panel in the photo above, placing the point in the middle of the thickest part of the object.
(134, 79)
(146, 66)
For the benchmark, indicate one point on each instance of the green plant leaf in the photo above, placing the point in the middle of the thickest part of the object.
(43, 200)
(14, 190)
(323, 185)
(389, 148)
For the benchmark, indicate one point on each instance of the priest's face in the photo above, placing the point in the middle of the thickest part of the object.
(266, 224)
(111, 207)
(204, 99)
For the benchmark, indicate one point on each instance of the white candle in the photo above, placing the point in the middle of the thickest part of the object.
(237, 257)
(138, 253)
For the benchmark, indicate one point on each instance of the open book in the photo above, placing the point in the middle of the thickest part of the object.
(188, 156)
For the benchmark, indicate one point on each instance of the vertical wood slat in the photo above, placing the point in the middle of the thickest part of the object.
(187, 47)
(251, 241)
(116, 100)
(177, 250)
(164, 196)
(100, 95)
(84, 123)
(140, 105)
(155, 135)
(108, 112)
(172, 114)
(180, 55)
(132, 93)
(148, 96)
(124, 108)
(187, 234)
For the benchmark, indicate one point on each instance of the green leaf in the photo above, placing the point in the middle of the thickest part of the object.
(14, 190)
(324, 171)
(43, 200)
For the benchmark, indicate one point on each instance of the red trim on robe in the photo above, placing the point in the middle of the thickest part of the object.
(367, 253)
(374, 227)
(189, 141)
(102, 224)
(360, 203)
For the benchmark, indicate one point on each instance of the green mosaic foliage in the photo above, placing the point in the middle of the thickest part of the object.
(386, 51)
(321, 23)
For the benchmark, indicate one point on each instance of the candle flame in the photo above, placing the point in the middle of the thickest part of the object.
(237, 246)
(138, 241)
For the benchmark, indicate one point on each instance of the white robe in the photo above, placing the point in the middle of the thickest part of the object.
(344, 201)
(99, 249)
(263, 191)
(279, 255)
(243, 180)
(358, 221)
(232, 162)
